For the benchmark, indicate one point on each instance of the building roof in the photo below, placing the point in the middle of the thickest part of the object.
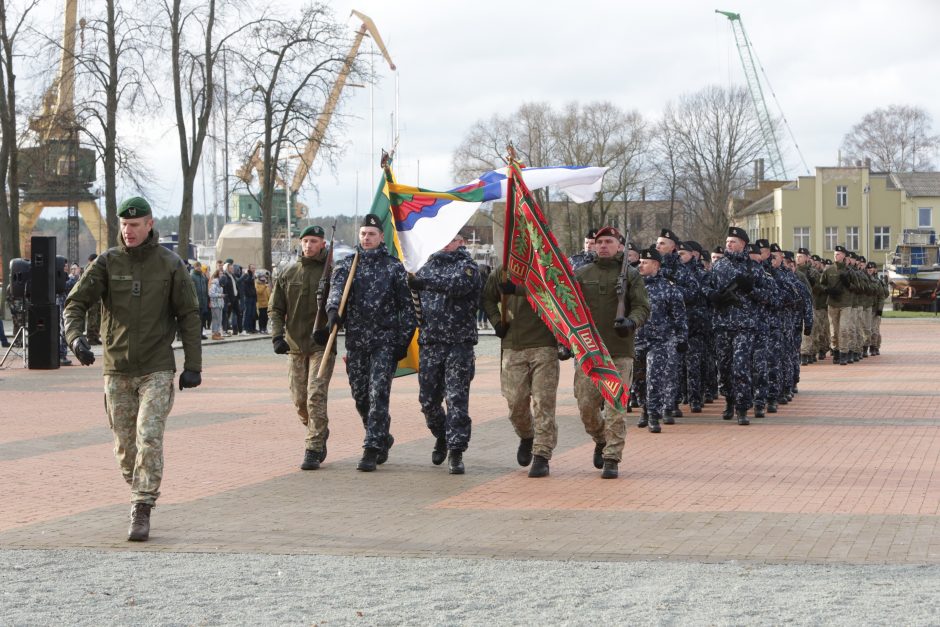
(764, 205)
(917, 183)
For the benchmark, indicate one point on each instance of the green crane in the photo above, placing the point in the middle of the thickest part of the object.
(749, 61)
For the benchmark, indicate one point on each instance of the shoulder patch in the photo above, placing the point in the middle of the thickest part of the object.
(469, 271)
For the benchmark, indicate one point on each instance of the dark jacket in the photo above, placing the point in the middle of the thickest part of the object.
(450, 298)
(600, 282)
(293, 305)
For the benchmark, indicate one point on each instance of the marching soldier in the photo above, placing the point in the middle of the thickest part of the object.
(529, 371)
(664, 335)
(604, 283)
(883, 292)
(449, 289)
(691, 276)
(380, 322)
(294, 308)
(836, 281)
(588, 254)
(667, 246)
(146, 296)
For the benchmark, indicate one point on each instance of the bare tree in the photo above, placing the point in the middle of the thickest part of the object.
(288, 67)
(666, 170)
(112, 75)
(11, 26)
(897, 139)
(194, 54)
(716, 137)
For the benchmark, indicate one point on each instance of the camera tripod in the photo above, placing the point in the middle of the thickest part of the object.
(21, 334)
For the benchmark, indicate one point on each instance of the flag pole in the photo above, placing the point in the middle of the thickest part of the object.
(503, 298)
(342, 309)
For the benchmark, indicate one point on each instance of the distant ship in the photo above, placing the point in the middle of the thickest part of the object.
(914, 267)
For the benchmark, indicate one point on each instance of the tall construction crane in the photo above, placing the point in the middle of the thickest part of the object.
(255, 163)
(750, 63)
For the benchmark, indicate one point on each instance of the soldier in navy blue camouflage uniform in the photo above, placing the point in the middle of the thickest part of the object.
(587, 255)
(801, 323)
(449, 287)
(667, 245)
(691, 276)
(768, 341)
(657, 342)
(380, 322)
(737, 286)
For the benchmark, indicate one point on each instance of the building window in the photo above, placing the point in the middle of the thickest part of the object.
(851, 237)
(832, 237)
(800, 237)
(662, 221)
(924, 216)
(636, 221)
(842, 196)
(882, 237)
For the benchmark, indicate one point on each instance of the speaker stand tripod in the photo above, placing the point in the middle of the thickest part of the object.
(20, 335)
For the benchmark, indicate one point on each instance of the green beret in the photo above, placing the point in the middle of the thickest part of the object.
(135, 207)
(312, 231)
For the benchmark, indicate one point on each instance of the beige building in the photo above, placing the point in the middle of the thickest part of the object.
(854, 207)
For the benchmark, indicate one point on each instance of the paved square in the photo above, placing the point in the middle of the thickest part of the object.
(848, 472)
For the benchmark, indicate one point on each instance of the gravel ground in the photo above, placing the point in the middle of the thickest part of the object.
(111, 588)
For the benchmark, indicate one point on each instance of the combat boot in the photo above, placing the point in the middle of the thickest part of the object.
(383, 454)
(311, 460)
(803, 360)
(368, 461)
(696, 408)
(524, 452)
(864, 352)
(728, 413)
(654, 424)
(821, 355)
(644, 419)
(875, 350)
(440, 451)
(854, 356)
(676, 412)
(771, 407)
(140, 522)
(610, 469)
(539, 467)
(668, 417)
(759, 411)
(599, 454)
(742, 417)
(843, 358)
(455, 463)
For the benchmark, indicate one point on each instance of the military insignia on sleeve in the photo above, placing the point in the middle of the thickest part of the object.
(469, 271)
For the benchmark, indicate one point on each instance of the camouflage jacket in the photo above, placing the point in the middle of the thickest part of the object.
(600, 284)
(146, 296)
(293, 304)
(742, 312)
(450, 298)
(689, 281)
(667, 319)
(581, 259)
(379, 310)
(526, 329)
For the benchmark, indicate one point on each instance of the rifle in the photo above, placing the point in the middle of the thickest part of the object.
(323, 289)
(622, 288)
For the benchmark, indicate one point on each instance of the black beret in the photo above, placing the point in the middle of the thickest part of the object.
(852, 254)
(740, 233)
(775, 248)
(840, 249)
(651, 253)
(719, 250)
(802, 251)
(862, 258)
(312, 231)
(871, 264)
(816, 258)
(828, 262)
(591, 234)
(669, 235)
(693, 246)
(134, 207)
(372, 220)
(753, 249)
(229, 260)
(763, 243)
(631, 246)
(623, 240)
(788, 255)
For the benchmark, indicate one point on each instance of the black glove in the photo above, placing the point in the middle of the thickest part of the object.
(82, 350)
(878, 312)
(280, 345)
(624, 326)
(808, 330)
(844, 279)
(507, 288)
(564, 353)
(500, 329)
(746, 282)
(321, 336)
(190, 379)
(682, 347)
(401, 352)
(416, 284)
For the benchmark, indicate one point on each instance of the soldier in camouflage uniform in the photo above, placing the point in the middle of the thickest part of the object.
(769, 324)
(800, 321)
(529, 370)
(836, 282)
(692, 276)
(883, 291)
(93, 317)
(819, 340)
(603, 287)
(146, 296)
(293, 308)
(805, 270)
(449, 288)
(587, 255)
(380, 323)
(665, 334)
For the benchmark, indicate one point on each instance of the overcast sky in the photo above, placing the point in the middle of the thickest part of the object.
(828, 62)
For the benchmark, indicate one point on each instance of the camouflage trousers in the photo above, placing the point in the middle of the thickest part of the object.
(137, 408)
(765, 365)
(444, 374)
(370, 375)
(808, 342)
(864, 316)
(820, 331)
(694, 360)
(735, 351)
(93, 322)
(529, 382)
(655, 377)
(875, 330)
(609, 426)
(310, 394)
(840, 326)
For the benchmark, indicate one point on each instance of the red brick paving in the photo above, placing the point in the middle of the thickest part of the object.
(847, 472)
